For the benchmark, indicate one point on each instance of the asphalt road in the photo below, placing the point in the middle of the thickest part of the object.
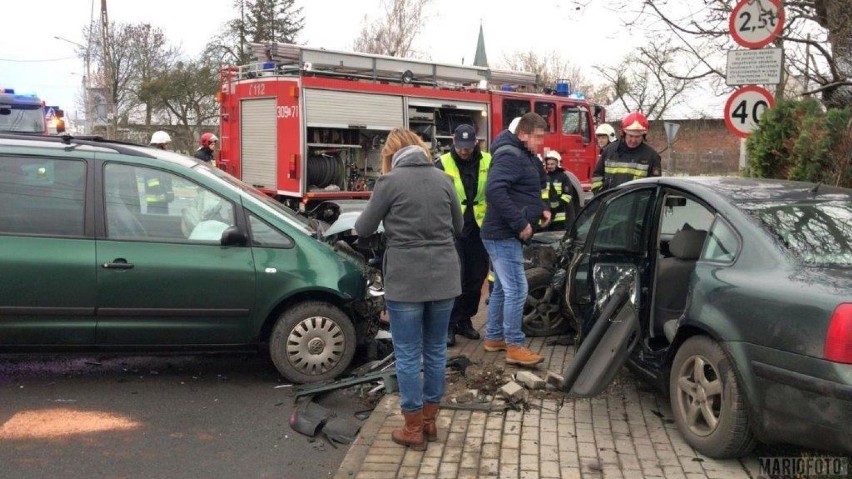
(156, 417)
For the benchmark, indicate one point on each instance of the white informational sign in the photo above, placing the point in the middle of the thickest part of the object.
(744, 109)
(756, 23)
(754, 67)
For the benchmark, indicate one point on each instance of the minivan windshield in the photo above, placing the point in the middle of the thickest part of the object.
(817, 233)
(302, 222)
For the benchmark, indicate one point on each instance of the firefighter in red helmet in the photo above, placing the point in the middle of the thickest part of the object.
(628, 159)
(209, 142)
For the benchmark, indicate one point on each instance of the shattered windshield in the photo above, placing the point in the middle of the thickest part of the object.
(21, 118)
(816, 233)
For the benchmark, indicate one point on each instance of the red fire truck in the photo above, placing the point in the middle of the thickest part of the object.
(306, 124)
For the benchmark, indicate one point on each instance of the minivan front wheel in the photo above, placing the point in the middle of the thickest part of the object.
(312, 342)
(707, 401)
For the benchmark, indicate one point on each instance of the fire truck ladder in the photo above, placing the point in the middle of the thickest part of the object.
(290, 58)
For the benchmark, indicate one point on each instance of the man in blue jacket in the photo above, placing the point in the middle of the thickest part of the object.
(513, 193)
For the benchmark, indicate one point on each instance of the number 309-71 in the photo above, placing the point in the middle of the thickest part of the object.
(741, 111)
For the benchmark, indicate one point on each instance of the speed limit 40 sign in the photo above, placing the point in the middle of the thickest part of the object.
(745, 107)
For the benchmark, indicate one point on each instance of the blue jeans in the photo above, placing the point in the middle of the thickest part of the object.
(506, 304)
(419, 333)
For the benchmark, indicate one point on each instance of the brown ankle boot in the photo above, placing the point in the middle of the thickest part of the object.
(411, 434)
(430, 415)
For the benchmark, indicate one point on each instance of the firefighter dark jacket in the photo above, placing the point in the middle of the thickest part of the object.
(561, 195)
(619, 164)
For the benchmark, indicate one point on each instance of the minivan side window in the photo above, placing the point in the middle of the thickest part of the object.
(265, 236)
(722, 243)
(155, 205)
(42, 196)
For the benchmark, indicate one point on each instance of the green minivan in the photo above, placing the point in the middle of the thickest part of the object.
(106, 246)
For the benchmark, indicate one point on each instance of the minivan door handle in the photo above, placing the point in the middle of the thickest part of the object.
(118, 263)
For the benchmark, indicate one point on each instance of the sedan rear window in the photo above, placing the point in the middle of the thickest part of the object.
(818, 233)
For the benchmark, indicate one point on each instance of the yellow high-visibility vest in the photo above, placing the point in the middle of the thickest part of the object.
(452, 169)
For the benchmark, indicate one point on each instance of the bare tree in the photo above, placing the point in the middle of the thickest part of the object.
(185, 94)
(817, 38)
(137, 52)
(552, 67)
(153, 56)
(649, 82)
(395, 32)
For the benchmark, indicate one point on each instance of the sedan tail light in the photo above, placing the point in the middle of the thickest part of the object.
(838, 340)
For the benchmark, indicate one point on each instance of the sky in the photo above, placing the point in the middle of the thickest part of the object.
(33, 61)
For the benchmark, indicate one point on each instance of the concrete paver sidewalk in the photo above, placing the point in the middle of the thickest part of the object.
(627, 432)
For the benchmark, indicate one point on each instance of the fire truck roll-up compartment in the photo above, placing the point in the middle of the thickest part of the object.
(308, 125)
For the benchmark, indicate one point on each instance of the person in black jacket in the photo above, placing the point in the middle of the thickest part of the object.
(209, 141)
(628, 159)
(513, 191)
(563, 198)
(468, 168)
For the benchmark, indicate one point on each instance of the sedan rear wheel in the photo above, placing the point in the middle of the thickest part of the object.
(312, 342)
(707, 402)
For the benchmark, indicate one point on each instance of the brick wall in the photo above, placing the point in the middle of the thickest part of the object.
(701, 147)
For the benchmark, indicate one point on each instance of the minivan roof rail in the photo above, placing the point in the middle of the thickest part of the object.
(90, 140)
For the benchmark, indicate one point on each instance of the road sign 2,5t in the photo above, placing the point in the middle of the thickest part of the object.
(744, 109)
(755, 23)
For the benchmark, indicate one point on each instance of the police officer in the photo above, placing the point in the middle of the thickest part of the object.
(628, 159)
(559, 192)
(468, 166)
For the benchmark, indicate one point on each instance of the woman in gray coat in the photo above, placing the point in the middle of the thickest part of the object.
(422, 276)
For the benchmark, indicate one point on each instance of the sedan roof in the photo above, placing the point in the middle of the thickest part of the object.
(742, 191)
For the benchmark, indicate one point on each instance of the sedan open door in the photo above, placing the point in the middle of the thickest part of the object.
(607, 281)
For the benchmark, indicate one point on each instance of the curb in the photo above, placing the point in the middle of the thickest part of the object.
(354, 459)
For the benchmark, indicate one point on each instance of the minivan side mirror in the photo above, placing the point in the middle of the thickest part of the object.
(233, 236)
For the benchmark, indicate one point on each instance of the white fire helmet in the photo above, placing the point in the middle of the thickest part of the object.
(160, 138)
(513, 126)
(607, 130)
(554, 155)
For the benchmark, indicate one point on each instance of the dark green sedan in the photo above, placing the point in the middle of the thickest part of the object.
(732, 295)
(108, 246)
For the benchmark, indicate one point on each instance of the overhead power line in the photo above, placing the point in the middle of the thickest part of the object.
(36, 61)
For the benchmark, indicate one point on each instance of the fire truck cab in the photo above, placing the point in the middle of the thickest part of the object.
(21, 113)
(307, 125)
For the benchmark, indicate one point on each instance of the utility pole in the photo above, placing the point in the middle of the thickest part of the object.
(108, 74)
(87, 80)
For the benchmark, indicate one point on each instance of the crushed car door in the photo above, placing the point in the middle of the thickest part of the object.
(607, 279)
